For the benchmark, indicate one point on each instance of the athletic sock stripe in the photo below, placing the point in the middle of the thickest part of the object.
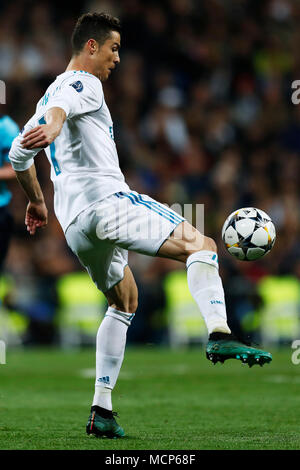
(203, 262)
(136, 202)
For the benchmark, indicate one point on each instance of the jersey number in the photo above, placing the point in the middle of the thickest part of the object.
(52, 152)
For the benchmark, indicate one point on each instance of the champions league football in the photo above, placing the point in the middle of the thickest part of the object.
(248, 234)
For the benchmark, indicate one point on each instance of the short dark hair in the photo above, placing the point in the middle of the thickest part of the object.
(93, 25)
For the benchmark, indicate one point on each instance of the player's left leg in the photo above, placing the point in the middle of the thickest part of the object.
(108, 268)
(199, 253)
(110, 349)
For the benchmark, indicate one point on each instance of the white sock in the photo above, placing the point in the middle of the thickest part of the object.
(110, 348)
(206, 287)
(102, 397)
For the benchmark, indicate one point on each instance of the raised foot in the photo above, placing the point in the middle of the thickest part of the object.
(219, 349)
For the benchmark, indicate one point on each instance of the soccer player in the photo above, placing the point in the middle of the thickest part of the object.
(103, 218)
(8, 131)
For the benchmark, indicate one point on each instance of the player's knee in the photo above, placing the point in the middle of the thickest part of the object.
(210, 244)
(196, 241)
(133, 300)
(132, 306)
(128, 306)
(206, 243)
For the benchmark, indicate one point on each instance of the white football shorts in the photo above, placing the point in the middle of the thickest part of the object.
(101, 235)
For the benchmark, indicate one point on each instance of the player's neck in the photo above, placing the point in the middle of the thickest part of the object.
(78, 63)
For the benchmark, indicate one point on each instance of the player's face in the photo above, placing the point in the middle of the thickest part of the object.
(108, 56)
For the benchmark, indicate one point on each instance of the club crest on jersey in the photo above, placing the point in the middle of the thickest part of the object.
(77, 85)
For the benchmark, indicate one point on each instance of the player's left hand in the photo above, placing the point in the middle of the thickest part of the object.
(39, 137)
(36, 216)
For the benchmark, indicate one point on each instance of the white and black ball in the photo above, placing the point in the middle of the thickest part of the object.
(248, 234)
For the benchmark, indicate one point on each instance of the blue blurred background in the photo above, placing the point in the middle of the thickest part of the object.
(202, 112)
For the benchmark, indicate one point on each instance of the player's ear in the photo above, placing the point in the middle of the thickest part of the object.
(93, 46)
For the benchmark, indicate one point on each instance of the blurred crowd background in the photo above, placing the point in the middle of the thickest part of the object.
(202, 112)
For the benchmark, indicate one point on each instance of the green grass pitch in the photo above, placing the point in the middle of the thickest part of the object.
(167, 400)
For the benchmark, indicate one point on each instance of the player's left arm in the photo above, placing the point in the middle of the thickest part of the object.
(39, 137)
(21, 156)
(44, 134)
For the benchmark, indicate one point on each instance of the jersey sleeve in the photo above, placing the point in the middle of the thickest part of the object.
(77, 95)
(20, 158)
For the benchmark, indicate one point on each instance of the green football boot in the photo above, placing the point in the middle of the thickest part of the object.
(222, 346)
(100, 426)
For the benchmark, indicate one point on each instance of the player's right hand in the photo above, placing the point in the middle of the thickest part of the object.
(36, 216)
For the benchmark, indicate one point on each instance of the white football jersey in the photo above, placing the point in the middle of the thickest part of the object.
(84, 160)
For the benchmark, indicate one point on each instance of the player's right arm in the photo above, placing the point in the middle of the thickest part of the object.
(36, 211)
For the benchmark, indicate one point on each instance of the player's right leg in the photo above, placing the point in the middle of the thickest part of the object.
(139, 223)
(199, 253)
(158, 231)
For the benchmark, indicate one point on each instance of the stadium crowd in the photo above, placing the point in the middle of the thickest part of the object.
(203, 114)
